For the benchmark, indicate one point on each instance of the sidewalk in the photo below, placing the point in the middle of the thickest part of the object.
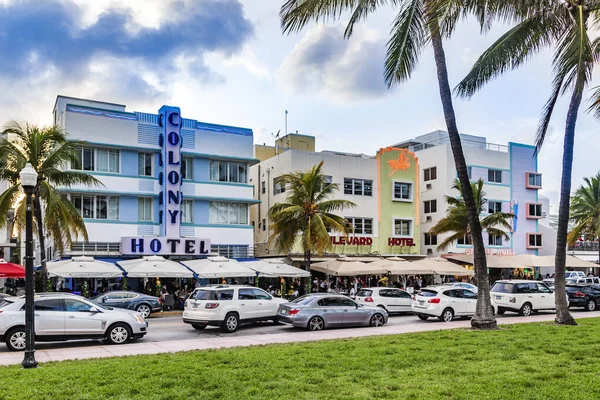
(136, 348)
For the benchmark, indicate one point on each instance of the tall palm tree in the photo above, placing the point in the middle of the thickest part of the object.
(48, 150)
(456, 220)
(562, 25)
(417, 24)
(585, 210)
(308, 213)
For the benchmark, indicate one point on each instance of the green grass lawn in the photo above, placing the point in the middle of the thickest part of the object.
(527, 361)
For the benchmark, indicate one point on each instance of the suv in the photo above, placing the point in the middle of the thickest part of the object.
(582, 280)
(574, 274)
(67, 317)
(445, 303)
(390, 299)
(229, 306)
(522, 296)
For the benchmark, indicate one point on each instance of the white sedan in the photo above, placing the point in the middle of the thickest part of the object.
(445, 303)
(391, 299)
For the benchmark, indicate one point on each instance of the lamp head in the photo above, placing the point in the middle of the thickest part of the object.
(28, 176)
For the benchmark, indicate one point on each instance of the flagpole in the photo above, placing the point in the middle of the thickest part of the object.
(286, 131)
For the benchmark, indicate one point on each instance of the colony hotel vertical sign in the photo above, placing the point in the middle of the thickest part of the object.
(170, 198)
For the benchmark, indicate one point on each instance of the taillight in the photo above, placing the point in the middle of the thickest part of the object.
(435, 300)
(579, 294)
(368, 299)
(211, 305)
(414, 297)
(294, 311)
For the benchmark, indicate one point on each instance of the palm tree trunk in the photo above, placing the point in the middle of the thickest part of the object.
(563, 316)
(484, 316)
(37, 209)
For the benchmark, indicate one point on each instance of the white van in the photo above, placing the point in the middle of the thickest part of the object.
(574, 274)
(522, 296)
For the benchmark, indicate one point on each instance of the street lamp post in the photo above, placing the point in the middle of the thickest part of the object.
(28, 181)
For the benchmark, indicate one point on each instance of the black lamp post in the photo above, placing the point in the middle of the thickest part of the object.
(28, 181)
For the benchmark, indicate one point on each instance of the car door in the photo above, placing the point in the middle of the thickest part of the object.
(331, 310)
(80, 321)
(49, 317)
(352, 314)
(387, 300)
(471, 301)
(115, 300)
(456, 301)
(266, 306)
(403, 300)
(248, 305)
(547, 299)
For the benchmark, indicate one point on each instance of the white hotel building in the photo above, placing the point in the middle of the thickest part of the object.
(123, 151)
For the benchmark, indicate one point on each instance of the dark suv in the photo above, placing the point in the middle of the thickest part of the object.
(585, 296)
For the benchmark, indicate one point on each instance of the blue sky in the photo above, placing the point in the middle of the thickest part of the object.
(226, 61)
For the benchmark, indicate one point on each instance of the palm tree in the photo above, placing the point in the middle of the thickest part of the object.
(418, 23)
(585, 210)
(456, 218)
(562, 25)
(307, 213)
(48, 150)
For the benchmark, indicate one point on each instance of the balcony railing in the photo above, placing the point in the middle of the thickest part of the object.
(465, 142)
(585, 247)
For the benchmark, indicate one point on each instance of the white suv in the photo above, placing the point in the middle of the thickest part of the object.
(229, 306)
(574, 274)
(390, 299)
(445, 303)
(522, 296)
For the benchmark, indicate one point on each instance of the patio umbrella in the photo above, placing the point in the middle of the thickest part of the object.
(10, 270)
(83, 267)
(154, 267)
(347, 267)
(219, 267)
(571, 262)
(442, 267)
(275, 268)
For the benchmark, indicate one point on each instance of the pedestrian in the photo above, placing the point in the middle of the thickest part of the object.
(352, 292)
(59, 285)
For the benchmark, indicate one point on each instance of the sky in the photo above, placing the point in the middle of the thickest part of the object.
(227, 62)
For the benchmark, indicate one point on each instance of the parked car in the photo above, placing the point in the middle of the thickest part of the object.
(142, 303)
(445, 303)
(392, 300)
(228, 306)
(574, 274)
(61, 317)
(549, 282)
(521, 296)
(463, 285)
(584, 296)
(582, 280)
(333, 311)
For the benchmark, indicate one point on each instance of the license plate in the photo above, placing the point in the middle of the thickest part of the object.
(421, 302)
(498, 297)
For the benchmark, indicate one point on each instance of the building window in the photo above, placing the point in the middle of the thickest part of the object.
(99, 160)
(327, 180)
(430, 240)
(262, 187)
(358, 187)
(495, 240)
(278, 187)
(187, 211)
(430, 206)
(402, 227)
(430, 174)
(145, 164)
(495, 175)
(145, 209)
(534, 210)
(264, 224)
(96, 207)
(228, 213)
(227, 171)
(402, 191)
(494, 207)
(470, 172)
(465, 240)
(534, 180)
(187, 168)
(534, 240)
(361, 226)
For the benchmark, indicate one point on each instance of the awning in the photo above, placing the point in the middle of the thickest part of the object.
(571, 262)
(321, 259)
(442, 267)
(83, 267)
(10, 270)
(347, 267)
(496, 261)
(154, 267)
(272, 268)
(399, 266)
(219, 267)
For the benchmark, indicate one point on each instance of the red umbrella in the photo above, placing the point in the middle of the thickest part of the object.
(10, 270)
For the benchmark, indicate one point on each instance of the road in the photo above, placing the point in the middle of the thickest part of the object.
(170, 327)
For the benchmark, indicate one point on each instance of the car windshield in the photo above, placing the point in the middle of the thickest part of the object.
(4, 302)
(303, 300)
(428, 293)
(364, 293)
(205, 295)
(502, 287)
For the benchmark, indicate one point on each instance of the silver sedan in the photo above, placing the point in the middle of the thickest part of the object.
(317, 311)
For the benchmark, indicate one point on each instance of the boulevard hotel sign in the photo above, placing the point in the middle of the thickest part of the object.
(367, 241)
(170, 198)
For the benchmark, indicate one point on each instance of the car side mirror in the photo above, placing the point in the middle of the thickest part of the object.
(360, 305)
(95, 310)
(104, 299)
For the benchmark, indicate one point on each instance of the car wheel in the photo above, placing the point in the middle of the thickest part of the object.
(118, 334)
(423, 317)
(231, 323)
(591, 305)
(316, 324)
(525, 310)
(501, 311)
(145, 310)
(377, 320)
(198, 327)
(447, 315)
(16, 339)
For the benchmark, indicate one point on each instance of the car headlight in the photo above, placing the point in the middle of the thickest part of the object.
(138, 318)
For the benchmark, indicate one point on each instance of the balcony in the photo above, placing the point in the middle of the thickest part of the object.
(465, 142)
(585, 247)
